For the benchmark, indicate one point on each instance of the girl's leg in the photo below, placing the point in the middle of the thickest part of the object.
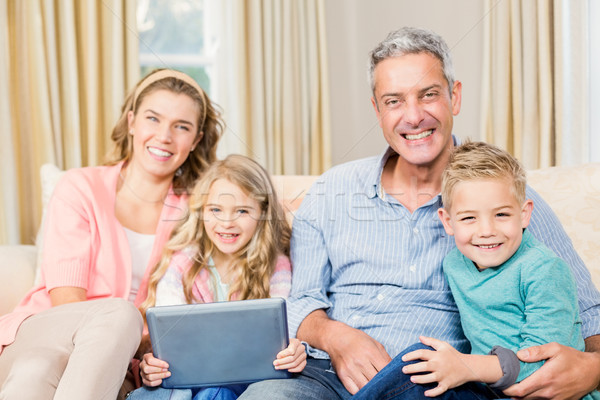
(74, 351)
(159, 393)
(231, 392)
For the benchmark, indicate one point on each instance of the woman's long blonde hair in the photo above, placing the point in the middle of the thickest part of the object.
(256, 261)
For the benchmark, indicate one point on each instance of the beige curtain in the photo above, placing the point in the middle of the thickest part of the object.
(535, 80)
(65, 68)
(275, 90)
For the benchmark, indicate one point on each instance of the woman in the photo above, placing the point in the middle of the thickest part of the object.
(105, 226)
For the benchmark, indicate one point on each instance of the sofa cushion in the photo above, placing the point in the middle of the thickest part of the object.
(574, 195)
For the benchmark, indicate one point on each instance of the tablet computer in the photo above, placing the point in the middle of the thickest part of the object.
(218, 344)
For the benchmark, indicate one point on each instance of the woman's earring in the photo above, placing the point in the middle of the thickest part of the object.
(179, 172)
(131, 131)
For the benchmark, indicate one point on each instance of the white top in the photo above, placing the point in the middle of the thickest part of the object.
(140, 246)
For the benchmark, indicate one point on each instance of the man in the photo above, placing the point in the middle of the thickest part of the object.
(367, 245)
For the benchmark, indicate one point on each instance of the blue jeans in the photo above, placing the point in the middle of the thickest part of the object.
(392, 384)
(209, 393)
(318, 381)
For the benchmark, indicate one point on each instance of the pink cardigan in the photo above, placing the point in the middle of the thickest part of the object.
(85, 246)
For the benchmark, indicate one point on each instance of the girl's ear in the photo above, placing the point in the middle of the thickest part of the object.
(445, 218)
(526, 211)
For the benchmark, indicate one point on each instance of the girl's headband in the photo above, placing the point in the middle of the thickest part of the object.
(170, 73)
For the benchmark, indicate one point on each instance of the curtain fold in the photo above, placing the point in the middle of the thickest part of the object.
(276, 94)
(534, 80)
(68, 66)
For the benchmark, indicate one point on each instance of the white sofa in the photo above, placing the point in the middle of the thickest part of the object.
(573, 193)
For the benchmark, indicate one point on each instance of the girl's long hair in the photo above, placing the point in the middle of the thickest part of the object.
(255, 263)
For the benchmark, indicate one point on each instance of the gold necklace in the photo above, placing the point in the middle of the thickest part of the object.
(136, 195)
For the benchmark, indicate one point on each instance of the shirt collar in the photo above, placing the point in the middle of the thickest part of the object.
(375, 187)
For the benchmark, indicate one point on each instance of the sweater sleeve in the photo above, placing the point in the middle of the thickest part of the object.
(551, 309)
(281, 281)
(67, 245)
(169, 290)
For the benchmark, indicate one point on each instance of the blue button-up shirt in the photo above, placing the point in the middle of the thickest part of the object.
(375, 266)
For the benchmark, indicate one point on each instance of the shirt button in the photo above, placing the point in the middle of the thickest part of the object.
(413, 268)
(416, 230)
(355, 317)
(380, 297)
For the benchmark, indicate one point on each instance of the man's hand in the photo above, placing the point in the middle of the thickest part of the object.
(567, 373)
(356, 356)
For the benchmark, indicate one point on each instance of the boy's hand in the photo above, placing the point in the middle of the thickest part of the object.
(446, 366)
(292, 358)
(153, 370)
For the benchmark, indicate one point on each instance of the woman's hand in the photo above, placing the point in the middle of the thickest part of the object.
(153, 370)
(292, 358)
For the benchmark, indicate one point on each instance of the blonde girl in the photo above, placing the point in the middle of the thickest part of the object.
(233, 245)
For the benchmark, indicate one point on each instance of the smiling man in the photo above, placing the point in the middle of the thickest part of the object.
(367, 246)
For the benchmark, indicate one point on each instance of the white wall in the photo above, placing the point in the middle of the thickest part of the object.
(354, 27)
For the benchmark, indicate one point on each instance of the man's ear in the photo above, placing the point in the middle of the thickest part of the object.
(456, 97)
(376, 108)
(445, 218)
(526, 211)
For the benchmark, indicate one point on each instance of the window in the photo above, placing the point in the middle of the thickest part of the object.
(177, 34)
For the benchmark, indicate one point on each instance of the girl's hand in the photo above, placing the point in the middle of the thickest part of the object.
(292, 358)
(153, 370)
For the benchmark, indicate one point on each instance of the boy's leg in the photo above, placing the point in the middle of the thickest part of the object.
(316, 382)
(392, 384)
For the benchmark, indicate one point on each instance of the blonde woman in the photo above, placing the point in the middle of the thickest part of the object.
(232, 246)
(105, 225)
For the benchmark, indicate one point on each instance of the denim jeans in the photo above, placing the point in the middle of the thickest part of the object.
(210, 393)
(392, 384)
(318, 381)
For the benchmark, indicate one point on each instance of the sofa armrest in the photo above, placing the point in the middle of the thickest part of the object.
(17, 274)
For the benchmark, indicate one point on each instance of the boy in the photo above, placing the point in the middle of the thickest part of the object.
(511, 291)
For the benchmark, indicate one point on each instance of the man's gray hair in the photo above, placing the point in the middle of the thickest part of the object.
(409, 40)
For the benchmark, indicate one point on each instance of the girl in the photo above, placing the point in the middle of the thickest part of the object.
(232, 246)
(104, 226)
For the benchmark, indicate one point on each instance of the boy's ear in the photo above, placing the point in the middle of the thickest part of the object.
(445, 218)
(526, 213)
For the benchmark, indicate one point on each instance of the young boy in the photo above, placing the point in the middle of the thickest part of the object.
(511, 291)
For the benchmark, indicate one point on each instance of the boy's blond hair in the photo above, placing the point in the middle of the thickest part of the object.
(479, 160)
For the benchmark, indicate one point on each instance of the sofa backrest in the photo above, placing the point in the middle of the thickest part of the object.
(572, 192)
(574, 195)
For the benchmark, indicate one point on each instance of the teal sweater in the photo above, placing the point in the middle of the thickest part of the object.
(529, 300)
